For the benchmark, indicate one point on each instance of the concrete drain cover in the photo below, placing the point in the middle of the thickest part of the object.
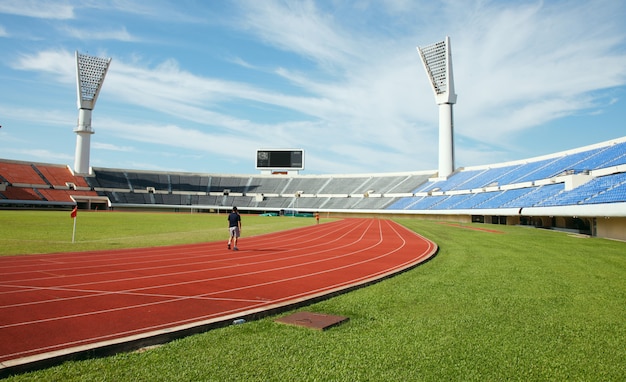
(312, 320)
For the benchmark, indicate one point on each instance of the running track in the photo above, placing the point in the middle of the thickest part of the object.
(57, 306)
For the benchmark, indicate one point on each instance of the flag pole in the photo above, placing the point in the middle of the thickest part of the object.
(74, 231)
(73, 216)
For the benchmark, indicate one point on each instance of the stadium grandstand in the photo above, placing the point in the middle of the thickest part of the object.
(581, 190)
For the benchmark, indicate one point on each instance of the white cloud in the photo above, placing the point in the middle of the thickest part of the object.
(60, 64)
(111, 147)
(38, 9)
(120, 34)
(522, 66)
(41, 155)
(299, 27)
(41, 117)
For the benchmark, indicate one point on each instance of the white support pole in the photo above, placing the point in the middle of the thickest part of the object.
(446, 140)
(83, 142)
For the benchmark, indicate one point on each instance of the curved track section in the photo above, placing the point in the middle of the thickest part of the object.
(60, 306)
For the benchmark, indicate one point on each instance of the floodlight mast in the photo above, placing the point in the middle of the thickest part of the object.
(437, 60)
(90, 73)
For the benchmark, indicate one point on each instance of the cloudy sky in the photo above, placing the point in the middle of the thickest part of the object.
(200, 85)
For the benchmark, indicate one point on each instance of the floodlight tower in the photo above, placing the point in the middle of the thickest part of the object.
(90, 72)
(437, 60)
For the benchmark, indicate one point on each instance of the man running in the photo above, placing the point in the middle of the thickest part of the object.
(234, 228)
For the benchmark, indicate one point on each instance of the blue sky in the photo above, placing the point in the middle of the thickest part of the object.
(199, 85)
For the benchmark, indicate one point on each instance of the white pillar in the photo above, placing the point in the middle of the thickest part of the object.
(446, 142)
(83, 142)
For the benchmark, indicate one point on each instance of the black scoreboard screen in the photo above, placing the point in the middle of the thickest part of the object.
(280, 159)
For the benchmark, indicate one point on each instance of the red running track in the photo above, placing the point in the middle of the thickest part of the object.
(57, 305)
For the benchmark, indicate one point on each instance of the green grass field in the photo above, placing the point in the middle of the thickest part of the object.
(525, 305)
(28, 232)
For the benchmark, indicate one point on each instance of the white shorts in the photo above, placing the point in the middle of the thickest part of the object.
(234, 231)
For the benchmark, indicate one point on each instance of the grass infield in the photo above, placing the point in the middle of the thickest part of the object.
(29, 232)
(524, 304)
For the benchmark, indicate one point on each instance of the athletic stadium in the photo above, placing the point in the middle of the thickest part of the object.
(191, 288)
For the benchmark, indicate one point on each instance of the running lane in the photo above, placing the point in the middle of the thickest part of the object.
(59, 304)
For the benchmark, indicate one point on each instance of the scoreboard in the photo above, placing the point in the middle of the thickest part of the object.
(290, 159)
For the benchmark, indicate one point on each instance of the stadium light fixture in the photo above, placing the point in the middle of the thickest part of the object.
(437, 60)
(90, 72)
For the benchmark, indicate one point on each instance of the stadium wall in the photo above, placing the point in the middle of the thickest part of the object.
(608, 227)
(611, 228)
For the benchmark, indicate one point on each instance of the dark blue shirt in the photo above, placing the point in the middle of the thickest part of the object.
(233, 219)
